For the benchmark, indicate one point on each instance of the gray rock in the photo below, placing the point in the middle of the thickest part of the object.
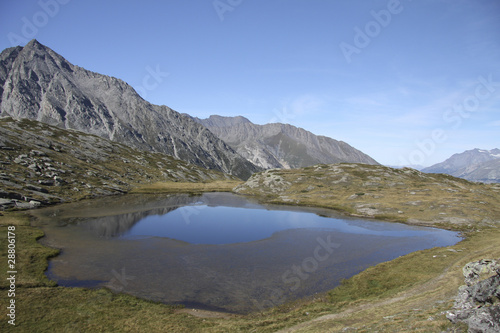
(10, 195)
(485, 320)
(474, 270)
(38, 153)
(487, 291)
(34, 203)
(46, 182)
(6, 203)
(281, 145)
(476, 302)
(36, 188)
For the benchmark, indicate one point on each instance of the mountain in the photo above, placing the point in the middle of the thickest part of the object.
(281, 145)
(486, 172)
(39, 84)
(475, 165)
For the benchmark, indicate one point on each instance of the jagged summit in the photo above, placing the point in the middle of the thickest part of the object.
(35, 44)
(37, 83)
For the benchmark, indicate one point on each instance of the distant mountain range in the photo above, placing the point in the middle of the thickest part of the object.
(37, 83)
(281, 145)
(476, 165)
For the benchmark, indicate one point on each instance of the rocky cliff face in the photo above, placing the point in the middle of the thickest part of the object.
(475, 165)
(281, 145)
(39, 84)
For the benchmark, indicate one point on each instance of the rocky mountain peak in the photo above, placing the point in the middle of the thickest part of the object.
(35, 45)
(39, 84)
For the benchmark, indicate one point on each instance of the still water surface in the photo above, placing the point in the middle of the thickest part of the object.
(218, 251)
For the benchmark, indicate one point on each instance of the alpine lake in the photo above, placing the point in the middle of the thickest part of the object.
(218, 251)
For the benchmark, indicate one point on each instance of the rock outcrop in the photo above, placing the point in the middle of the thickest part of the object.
(39, 84)
(281, 145)
(478, 301)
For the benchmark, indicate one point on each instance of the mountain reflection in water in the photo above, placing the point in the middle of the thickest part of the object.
(218, 250)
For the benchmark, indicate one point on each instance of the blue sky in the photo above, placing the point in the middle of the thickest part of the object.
(407, 82)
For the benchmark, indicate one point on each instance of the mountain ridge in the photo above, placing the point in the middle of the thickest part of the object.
(39, 84)
(279, 145)
(476, 165)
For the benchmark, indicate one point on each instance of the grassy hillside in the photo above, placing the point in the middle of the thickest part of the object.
(394, 296)
(403, 195)
(47, 164)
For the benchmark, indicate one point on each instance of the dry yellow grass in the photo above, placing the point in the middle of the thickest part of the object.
(408, 294)
(401, 195)
(416, 306)
(187, 187)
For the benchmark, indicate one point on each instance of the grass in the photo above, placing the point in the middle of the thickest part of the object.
(401, 296)
(399, 291)
(399, 195)
(186, 187)
(410, 293)
(31, 257)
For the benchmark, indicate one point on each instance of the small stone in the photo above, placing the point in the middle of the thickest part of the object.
(6, 203)
(33, 167)
(44, 182)
(37, 153)
(34, 203)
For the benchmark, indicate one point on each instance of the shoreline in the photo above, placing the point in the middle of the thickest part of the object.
(290, 309)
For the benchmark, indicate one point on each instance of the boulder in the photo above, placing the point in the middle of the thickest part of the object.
(477, 303)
